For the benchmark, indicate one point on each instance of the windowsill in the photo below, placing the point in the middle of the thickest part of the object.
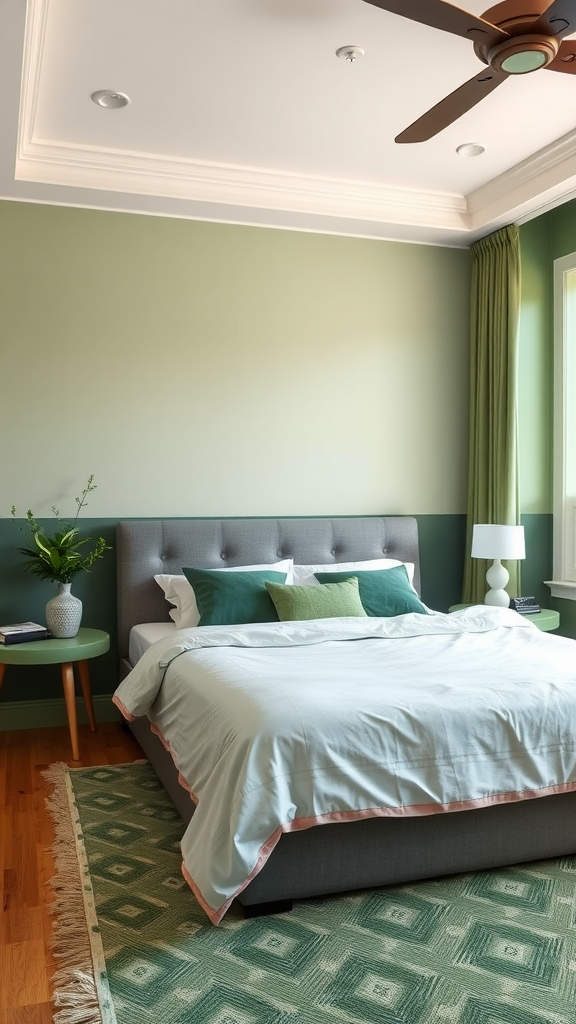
(565, 589)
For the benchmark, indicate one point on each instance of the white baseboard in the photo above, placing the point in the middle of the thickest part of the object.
(37, 714)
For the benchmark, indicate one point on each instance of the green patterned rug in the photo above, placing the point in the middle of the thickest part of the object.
(497, 947)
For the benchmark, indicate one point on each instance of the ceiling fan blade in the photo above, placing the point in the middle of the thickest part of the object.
(565, 59)
(558, 20)
(453, 106)
(444, 16)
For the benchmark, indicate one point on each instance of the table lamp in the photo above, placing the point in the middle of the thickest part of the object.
(497, 542)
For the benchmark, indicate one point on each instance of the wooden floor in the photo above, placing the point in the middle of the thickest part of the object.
(26, 867)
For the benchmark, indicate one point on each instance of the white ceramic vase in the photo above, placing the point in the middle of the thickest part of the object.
(64, 613)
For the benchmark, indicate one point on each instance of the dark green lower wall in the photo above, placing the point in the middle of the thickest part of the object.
(537, 565)
(442, 547)
(23, 597)
(442, 543)
(567, 611)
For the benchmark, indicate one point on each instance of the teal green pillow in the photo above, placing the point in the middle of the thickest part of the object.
(328, 602)
(382, 591)
(229, 598)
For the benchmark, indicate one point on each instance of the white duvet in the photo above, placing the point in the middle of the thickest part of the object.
(280, 726)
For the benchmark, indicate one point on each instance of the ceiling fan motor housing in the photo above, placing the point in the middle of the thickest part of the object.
(522, 54)
(524, 51)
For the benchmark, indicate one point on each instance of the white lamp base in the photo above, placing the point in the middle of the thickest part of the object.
(497, 577)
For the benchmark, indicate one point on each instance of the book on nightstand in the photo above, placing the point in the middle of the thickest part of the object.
(525, 605)
(23, 632)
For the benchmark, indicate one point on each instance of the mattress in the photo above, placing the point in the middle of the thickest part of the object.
(144, 635)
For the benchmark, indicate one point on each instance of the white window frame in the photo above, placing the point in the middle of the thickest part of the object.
(564, 497)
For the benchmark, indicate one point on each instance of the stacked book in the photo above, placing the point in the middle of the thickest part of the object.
(23, 632)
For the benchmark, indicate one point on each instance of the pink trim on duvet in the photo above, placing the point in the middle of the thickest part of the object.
(126, 714)
(265, 851)
(415, 810)
(214, 915)
(419, 810)
(154, 728)
(333, 817)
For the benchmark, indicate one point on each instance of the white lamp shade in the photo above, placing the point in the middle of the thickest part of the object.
(492, 541)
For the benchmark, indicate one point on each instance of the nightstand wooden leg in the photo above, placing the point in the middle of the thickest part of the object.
(84, 673)
(70, 699)
(2, 671)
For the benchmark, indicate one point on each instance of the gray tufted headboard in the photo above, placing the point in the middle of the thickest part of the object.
(147, 547)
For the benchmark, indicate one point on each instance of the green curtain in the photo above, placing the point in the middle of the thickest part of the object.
(493, 492)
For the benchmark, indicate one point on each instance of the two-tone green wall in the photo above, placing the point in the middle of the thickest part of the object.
(542, 241)
(535, 408)
(202, 369)
(206, 369)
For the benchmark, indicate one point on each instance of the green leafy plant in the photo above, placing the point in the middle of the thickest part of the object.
(62, 556)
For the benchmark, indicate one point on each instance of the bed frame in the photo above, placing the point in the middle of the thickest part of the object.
(346, 856)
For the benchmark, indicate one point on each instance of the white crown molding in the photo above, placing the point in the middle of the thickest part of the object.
(547, 177)
(33, 49)
(148, 174)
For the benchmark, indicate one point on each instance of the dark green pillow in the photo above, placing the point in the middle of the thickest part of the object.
(328, 602)
(229, 598)
(383, 592)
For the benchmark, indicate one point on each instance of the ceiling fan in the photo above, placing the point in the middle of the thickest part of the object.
(513, 38)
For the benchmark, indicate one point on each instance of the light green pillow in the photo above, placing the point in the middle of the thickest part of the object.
(327, 602)
(230, 598)
(383, 592)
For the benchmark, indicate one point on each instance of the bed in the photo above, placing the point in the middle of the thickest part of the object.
(340, 855)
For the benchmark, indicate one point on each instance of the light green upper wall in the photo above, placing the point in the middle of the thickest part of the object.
(209, 369)
(535, 370)
(542, 241)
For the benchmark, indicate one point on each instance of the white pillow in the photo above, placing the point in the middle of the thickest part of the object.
(304, 574)
(180, 594)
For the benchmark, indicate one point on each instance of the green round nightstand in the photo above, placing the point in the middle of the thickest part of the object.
(546, 619)
(88, 643)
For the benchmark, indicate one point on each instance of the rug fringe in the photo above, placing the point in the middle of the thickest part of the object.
(74, 984)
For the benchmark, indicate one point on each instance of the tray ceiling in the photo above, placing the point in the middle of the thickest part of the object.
(240, 111)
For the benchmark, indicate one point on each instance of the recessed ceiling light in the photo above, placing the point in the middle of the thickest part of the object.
(470, 149)
(349, 53)
(109, 99)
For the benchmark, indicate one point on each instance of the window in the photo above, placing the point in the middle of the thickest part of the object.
(564, 582)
